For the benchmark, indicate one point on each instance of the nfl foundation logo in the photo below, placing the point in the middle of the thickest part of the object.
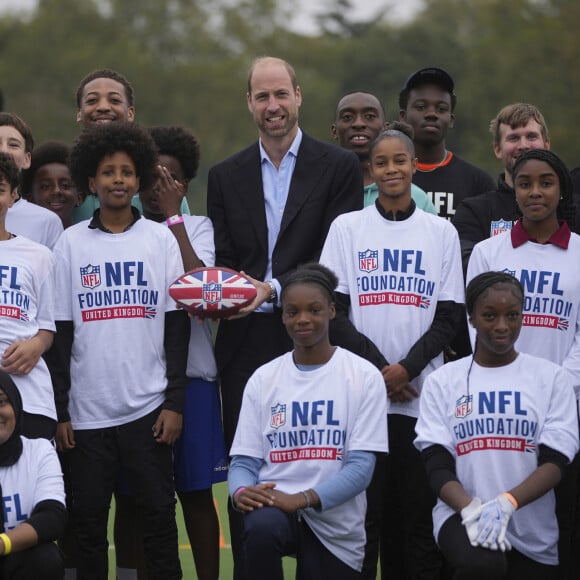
(368, 260)
(499, 227)
(212, 293)
(90, 276)
(510, 272)
(278, 415)
(463, 406)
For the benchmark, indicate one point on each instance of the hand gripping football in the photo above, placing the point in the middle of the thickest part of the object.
(212, 292)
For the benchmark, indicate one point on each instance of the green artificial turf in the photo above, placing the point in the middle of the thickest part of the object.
(226, 562)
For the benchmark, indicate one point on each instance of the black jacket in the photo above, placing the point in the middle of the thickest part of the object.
(474, 216)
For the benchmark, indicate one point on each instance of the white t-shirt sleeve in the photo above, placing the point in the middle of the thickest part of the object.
(62, 280)
(451, 273)
(202, 240)
(333, 256)
(248, 436)
(54, 231)
(45, 297)
(560, 429)
(432, 427)
(49, 483)
(572, 361)
(478, 262)
(371, 421)
(173, 268)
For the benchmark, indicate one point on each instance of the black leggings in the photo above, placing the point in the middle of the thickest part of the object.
(43, 561)
(469, 563)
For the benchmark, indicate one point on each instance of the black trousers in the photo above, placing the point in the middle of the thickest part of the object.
(566, 493)
(94, 468)
(270, 534)
(408, 549)
(41, 562)
(469, 563)
(374, 517)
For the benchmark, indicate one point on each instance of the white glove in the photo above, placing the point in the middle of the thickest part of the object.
(493, 523)
(470, 519)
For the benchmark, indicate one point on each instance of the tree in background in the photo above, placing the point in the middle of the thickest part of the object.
(188, 60)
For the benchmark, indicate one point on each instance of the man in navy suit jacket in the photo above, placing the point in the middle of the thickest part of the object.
(271, 206)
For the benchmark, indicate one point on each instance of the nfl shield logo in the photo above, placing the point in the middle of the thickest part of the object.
(212, 293)
(463, 406)
(278, 415)
(90, 276)
(499, 227)
(368, 260)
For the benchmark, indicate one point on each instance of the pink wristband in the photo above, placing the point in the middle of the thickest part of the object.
(174, 220)
(239, 490)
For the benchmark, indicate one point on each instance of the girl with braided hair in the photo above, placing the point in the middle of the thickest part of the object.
(496, 430)
(303, 453)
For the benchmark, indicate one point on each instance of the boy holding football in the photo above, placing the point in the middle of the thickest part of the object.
(126, 346)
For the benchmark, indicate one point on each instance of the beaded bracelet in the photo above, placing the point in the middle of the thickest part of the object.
(307, 496)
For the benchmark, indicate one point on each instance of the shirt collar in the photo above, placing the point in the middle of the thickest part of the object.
(400, 215)
(560, 238)
(293, 150)
(96, 222)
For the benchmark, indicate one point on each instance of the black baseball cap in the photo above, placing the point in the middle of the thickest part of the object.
(430, 75)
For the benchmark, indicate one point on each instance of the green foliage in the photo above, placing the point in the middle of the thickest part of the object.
(188, 62)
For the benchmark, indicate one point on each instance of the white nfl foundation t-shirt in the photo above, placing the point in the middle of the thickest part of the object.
(549, 275)
(114, 287)
(494, 431)
(34, 222)
(35, 477)
(395, 272)
(27, 306)
(303, 423)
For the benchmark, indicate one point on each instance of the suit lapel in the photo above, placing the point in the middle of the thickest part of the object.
(310, 165)
(249, 187)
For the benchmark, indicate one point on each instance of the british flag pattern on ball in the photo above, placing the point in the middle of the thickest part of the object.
(213, 292)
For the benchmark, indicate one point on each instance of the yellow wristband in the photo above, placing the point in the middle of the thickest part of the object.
(512, 499)
(7, 544)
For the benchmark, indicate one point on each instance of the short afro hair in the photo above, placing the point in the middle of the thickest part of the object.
(49, 152)
(9, 170)
(99, 141)
(180, 143)
(106, 73)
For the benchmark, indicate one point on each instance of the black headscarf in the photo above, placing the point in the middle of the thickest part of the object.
(11, 449)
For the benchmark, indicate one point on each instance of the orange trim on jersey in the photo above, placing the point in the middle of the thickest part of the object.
(432, 166)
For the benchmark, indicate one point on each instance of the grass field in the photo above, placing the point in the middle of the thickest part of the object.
(226, 563)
